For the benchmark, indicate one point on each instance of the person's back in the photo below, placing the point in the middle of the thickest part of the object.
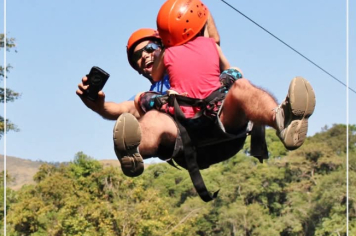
(193, 67)
(192, 61)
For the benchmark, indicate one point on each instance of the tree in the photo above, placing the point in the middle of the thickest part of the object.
(10, 196)
(302, 193)
(10, 94)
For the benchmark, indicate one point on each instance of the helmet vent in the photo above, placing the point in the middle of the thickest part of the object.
(171, 16)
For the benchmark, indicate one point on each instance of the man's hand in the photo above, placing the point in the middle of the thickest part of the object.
(108, 110)
(211, 31)
(98, 105)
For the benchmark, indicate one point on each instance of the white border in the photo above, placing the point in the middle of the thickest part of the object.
(5, 37)
(347, 117)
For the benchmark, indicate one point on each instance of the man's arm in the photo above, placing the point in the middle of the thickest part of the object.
(108, 110)
(112, 111)
(224, 63)
(211, 31)
(158, 69)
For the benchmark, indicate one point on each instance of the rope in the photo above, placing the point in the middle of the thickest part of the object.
(289, 46)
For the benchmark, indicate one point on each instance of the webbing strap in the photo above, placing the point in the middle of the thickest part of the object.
(170, 161)
(190, 155)
(217, 95)
(258, 147)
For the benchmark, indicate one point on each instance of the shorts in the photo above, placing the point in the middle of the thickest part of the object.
(210, 153)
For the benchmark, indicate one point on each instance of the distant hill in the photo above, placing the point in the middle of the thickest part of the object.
(20, 169)
(23, 170)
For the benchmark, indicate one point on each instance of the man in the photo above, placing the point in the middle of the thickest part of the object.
(111, 110)
(141, 44)
(243, 102)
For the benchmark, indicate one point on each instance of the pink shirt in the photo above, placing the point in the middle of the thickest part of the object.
(193, 68)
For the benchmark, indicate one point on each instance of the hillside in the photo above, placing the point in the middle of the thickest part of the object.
(22, 170)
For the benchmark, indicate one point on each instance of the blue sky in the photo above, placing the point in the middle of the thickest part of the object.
(59, 41)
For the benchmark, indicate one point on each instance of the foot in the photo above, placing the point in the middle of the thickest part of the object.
(292, 115)
(127, 138)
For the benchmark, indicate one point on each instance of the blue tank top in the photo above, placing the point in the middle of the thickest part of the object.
(160, 87)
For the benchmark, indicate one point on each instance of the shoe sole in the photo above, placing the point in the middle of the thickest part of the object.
(302, 102)
(127, 138)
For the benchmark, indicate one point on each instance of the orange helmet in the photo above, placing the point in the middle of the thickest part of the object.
(136, 38)
(178, 21)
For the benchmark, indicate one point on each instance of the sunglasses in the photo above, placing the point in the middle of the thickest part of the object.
(151, 47)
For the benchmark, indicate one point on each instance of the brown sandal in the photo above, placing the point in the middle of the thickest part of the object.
(127, 138)
(293, 113)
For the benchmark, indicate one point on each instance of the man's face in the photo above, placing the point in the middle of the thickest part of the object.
(143, 55)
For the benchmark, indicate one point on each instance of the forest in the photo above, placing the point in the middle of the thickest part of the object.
(293, 193)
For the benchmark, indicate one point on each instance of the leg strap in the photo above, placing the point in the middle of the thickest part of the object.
(190, 156)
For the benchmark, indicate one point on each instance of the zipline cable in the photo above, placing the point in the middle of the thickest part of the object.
(288, 46)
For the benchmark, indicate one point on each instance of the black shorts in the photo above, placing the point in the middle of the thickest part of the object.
(216, 151)
(210, 153)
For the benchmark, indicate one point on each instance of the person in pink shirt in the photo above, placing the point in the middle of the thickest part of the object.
(193, 66)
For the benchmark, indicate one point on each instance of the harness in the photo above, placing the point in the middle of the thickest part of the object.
(203, 134)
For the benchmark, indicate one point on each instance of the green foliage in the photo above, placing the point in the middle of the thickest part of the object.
(10, 94)
(9, 126)
(301, 193)
(352, 192)
(10, 196)
(275, 146)
(335, 138)
(44, 171)
(84, 166)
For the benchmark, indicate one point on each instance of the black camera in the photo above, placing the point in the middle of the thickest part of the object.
(97, 78)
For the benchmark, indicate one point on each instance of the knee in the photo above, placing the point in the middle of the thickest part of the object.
(238, 69)
(145, 101)
(242, 84)
(154, 120)
(148, 124)
(137, 104)
(137, 98)
(157, 118)
(159, 124)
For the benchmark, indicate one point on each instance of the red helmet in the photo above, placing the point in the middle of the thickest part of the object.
(136, 38)
(178, 21)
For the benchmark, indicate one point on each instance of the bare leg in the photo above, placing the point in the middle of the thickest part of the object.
(135, 140)
(158, 129)
(290, 119)
(246, 102)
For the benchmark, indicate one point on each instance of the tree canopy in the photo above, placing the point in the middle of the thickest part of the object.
(299, 193)
(11, 95)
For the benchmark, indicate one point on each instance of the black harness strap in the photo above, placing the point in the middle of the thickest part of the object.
(258, 147)
(190, 155)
